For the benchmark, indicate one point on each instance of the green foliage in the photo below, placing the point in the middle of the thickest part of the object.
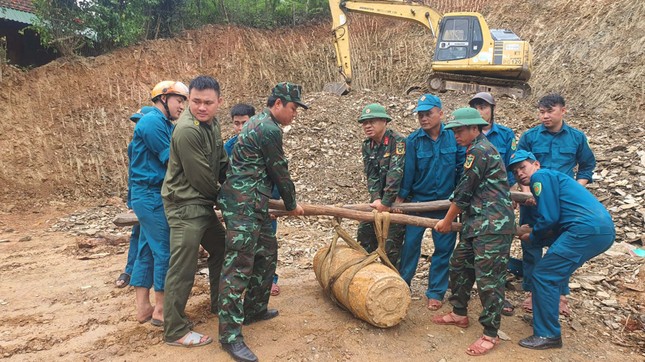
(70, 25)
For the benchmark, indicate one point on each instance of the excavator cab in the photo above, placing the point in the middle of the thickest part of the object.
(460, 37)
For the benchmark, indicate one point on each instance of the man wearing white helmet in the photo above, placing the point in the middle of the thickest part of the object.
(150, 153)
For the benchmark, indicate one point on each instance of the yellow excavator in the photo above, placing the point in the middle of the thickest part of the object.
(468, 55)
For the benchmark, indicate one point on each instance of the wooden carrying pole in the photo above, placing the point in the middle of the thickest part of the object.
(312, 210)
(427, 206)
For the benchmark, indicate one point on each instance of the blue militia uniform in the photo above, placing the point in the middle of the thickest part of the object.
(582, 229)
(503, 138)
(149, 159)
(432, 170)
(560, 151)
(133, 249)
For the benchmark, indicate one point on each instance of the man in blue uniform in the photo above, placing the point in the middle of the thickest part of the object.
(150, 154)
(581, 228)
(502, 137)
(124, 279)
(433, 166)
(561, 148)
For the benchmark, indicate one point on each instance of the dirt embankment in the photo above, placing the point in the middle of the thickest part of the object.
(63, 132)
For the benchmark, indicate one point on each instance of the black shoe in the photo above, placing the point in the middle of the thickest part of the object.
(240, 352)
(535, 342)
(269, 314)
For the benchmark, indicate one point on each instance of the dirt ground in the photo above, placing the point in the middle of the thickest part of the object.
(63, 139)
(58, 302)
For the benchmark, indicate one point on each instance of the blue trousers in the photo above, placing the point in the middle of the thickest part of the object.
(151, 264)
(566, 254)
(532, 252)
(444, 244)
(133, 249)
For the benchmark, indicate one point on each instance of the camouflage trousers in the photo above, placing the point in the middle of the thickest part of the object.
(366, 236)
(481, 259)
(249, 265)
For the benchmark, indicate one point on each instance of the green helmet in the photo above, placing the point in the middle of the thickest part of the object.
(372, 111)
(465, 117)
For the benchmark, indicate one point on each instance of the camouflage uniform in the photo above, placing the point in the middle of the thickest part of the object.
(383, 164)
(197, 162)
(257, 163)
(488, 227)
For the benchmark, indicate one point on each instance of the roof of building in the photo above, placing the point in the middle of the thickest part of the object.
(21, 11)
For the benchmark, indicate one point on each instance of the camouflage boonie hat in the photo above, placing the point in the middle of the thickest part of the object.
(372, 111)
(465, 117)
(289, 92)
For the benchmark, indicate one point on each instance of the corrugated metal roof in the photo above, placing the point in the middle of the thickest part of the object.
(21, 5)
(17, 15)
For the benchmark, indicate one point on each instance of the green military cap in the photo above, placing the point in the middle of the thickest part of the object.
(290, 93)
(372, 111)
(465, 117)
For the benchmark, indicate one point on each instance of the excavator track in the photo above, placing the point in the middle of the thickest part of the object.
(441, 82)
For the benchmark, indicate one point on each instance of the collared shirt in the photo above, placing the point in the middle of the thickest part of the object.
(150, 150)
(565, 205)
(560, 151)
(383, 165)
(432, 167)
(503, 138)
(257, 163)
(483, 193)
(197, 163)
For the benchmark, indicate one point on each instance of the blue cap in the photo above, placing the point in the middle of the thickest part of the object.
(519, 156)
(427, 102)
(137, 116)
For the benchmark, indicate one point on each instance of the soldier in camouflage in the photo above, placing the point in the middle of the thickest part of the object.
(383, 160)
(483, 198)
(257, 163)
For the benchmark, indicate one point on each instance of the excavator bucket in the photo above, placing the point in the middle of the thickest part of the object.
(339, 88)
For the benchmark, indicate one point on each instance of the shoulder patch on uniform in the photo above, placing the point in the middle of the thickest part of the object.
(537, 188)
(469, 161)
(514, 145)
(400, 148)
(196, 123)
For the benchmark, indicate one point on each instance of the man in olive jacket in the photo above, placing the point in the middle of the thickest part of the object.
(197, 163)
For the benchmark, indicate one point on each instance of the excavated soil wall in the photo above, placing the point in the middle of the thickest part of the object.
(64, 128)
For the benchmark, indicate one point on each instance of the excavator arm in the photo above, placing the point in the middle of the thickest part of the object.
(399, 9)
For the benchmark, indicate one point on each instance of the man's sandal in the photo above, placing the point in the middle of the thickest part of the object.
(434, 304)
(123, 280)
(527, 305)
(275, 289)
(564, 306)
(191, 339)
(508, 309)
(449, 319)
(482, 346)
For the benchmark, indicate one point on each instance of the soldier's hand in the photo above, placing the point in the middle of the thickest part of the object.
(298, 211)
(379, 207)
(530, 202)
(443, 226)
